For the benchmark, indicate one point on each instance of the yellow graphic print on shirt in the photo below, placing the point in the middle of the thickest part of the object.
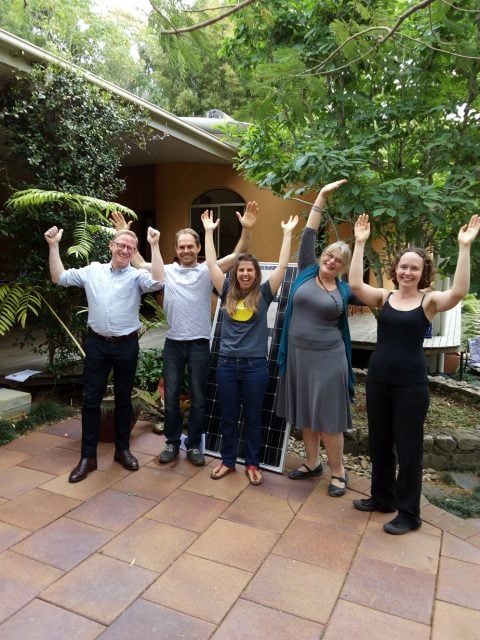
(242, 314)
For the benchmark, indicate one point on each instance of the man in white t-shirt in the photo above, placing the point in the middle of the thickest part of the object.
(187, 304)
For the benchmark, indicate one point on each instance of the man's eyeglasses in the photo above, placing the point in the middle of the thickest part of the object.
(124, 247)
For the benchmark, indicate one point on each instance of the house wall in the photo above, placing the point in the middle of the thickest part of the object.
(176, 186)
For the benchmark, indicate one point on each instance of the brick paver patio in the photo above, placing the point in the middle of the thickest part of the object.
(168, 553)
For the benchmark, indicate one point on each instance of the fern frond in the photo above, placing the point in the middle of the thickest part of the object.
(16, 302)
(31, 199)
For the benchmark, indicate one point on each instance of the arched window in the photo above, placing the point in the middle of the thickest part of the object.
(224, 203)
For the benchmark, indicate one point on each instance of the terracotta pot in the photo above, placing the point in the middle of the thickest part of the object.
(107, 423)
(451, 363)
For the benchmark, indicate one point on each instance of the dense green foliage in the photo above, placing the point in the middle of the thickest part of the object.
(400, 120)
(64, 135)
(386, 95)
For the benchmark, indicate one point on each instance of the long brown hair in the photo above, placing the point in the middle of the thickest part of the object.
(234, 293)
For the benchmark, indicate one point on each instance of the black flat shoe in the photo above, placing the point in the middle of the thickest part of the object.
(338, 492)
(400, 525)
(369, 504)
(296, 474)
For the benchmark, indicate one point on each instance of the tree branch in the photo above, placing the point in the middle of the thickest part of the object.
(206, 23)
(391, 31)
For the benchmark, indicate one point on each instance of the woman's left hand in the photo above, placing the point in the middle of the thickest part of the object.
(207, 219)
(469, 232)
(290, 224)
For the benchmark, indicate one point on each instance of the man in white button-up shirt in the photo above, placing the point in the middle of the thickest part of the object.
(113, 293)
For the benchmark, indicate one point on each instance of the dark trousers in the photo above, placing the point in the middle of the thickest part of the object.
(241, 381)
(101, 358)
(178, 355)
(396, 416)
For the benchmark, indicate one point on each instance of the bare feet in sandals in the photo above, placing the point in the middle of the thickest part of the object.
(254, 475)
(221, 471)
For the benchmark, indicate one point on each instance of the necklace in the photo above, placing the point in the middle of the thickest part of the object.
(330, 294)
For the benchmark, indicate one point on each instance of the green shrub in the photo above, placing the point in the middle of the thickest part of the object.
(149, 369)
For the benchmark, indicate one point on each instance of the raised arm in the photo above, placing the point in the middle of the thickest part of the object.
(445, 300)
(120, 224)
(158, 270)
(318, 206)
(278, 273)
(367, 294)
(216, 273)
(247, 220)
(53, 237)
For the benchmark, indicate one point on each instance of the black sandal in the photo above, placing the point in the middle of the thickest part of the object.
(337, 492)
(296, 474)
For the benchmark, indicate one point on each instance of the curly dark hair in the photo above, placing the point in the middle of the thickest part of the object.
(428, 272)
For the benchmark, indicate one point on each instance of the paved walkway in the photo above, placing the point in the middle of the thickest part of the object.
(166, 552)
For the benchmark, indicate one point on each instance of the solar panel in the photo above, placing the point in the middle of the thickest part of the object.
(275, 430)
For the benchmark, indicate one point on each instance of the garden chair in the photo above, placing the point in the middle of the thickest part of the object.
(471, 356)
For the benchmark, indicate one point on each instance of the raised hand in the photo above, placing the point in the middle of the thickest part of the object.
(469, 232)
(332, 186)
(153, 235)
(119, 222)
(290, 224)
(362, 228)
(53, 235)
(249, 217)
(207, 219)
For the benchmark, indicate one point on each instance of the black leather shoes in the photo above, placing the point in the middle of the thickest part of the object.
(400, 525)
(126, 459)
(82, 469)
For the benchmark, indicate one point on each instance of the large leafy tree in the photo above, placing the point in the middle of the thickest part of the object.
(396, 113)
(66, 135)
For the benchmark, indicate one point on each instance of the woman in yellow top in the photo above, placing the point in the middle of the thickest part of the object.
(242, 370)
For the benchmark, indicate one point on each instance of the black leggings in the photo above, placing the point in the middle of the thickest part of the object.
(396, 416)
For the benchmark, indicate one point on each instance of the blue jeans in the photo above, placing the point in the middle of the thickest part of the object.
(100, 358)
(241, 381)
(178, 354)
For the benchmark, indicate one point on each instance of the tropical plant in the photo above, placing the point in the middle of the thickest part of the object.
(19, 300)
(68, 137)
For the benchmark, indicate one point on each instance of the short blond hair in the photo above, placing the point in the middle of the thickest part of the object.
(125, 232)
(345, 253)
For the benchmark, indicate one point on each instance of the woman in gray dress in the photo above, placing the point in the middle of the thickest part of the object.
(316, 383)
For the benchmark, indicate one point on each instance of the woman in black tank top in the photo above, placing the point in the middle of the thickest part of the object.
(397, 380)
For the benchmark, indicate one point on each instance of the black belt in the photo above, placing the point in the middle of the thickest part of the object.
(91, 332)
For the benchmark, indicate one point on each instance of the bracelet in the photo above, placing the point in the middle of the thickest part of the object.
(316, 208)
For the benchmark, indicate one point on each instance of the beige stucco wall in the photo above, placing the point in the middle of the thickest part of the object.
(176, 186)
